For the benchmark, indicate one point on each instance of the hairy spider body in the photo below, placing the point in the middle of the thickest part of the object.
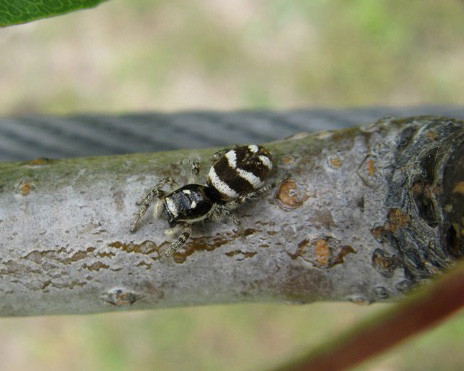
(236, 176)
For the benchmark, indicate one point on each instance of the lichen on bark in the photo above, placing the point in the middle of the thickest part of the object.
(362, 214)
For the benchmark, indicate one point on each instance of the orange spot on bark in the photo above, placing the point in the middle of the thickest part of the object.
(291, 195)
(335, 162)
(322, 252)
(370, 167)
(25, 188)
(396, 219)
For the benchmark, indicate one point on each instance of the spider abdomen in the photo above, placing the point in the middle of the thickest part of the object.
(240, 171)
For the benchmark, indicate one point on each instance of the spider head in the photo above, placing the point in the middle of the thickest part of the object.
(190, 203)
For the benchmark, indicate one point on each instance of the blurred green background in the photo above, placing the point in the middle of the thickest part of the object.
(179, 54)
(127, 56)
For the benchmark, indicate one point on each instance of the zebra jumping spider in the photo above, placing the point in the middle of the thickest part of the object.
(236, 176)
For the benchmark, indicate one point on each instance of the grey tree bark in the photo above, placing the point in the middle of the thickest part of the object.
(362, 214)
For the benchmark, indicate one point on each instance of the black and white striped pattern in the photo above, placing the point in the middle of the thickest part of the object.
(240, 171)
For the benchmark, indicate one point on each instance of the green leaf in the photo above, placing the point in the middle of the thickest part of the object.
(21, 11)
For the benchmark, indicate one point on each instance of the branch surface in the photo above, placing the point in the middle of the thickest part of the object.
(366, 214)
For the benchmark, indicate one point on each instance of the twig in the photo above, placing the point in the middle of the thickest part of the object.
(367, 214)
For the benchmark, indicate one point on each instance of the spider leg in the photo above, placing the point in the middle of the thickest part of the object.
(195, 171)
(180, 240)
(233, 204)
(152, 193)
(224, 211)
(231, 216)
(145, 201)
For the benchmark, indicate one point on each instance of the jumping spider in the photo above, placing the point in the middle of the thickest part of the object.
(236, 176)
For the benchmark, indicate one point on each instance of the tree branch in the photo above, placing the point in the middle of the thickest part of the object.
(367, 214)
